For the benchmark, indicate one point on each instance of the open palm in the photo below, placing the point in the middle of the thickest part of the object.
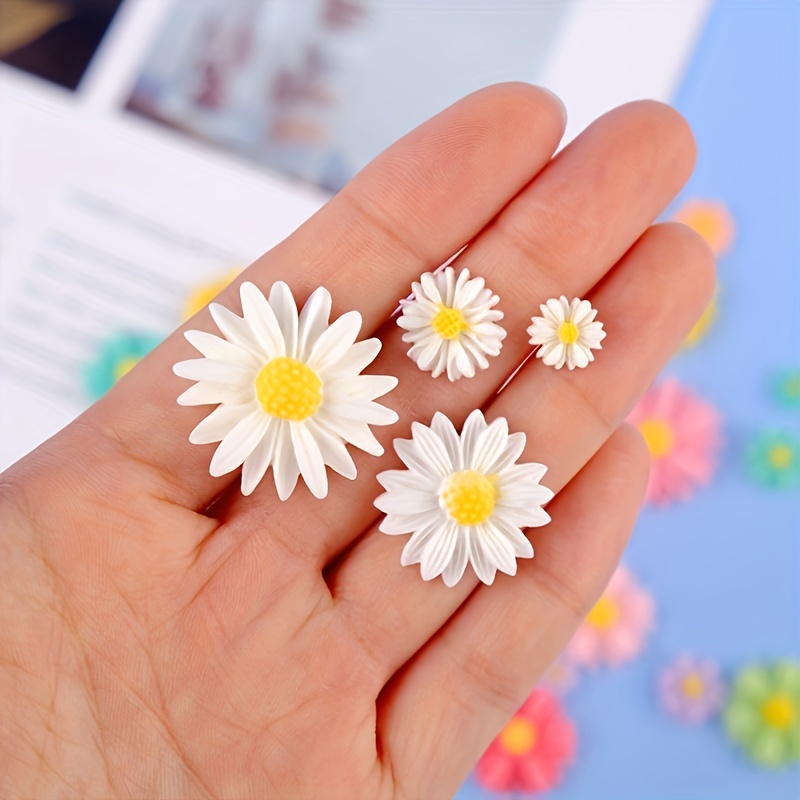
(162, 635)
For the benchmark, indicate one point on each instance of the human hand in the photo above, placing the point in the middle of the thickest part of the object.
(163, 636)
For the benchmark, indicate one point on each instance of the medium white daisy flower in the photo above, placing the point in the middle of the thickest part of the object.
(566, 333)
(289, 390)
(463, 498)
(450, 323)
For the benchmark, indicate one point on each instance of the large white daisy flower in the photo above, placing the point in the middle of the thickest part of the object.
(463, 498)
(566, 333)
(289, 390)
(450, 323)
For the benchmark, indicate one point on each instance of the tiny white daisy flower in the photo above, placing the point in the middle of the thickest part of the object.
(566, 333)
(450, 323)
(463, 498)
(289, 390)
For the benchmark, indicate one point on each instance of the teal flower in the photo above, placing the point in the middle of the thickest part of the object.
(115, 357)
(773, 459)
(763, 713)
(786, 388)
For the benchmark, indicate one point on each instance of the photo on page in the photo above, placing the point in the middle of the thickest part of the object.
(315, 89)
(54, 39)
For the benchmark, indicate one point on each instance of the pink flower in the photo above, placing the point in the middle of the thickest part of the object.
(614, 630)
(691, 689)
(683, 435)
(531, 752)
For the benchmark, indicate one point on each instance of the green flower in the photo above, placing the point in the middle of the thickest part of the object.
(773, 459)
(763, 713)
(115, 357)
(786, 387)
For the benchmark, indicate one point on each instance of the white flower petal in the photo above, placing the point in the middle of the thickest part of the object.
(284, 462)
(520, 543)
(333, 449)
(474, 426)
(313, 321)
(481, 561)
(218, 349)
(528, 474)
(335, 341)
(262, 321)
(438, 551)
(398, 524)
(256, 464)
(465, 364)
(206, 369)
(355, 433)
(435, 453)
(359, 356)
(361, 387)
(233, 327)
(523, 510)
(415, 460)
(239, 443)
(490, 445)
(469, 291)
(455, 568)
(497, 549)
(512, 451)
(285, 309)
(414, 550)
(446, 431)
(364, 411)
(399, 501)
(220, 422)
(580, 357)
(207, 393)
(430, 288)
(309, 459)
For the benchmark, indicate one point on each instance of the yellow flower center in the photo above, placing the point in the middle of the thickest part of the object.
(568, 332)
(469, 497)
(604, 614)
(288, 389)
(206, 292)
(449, 323)
(693, 687)
(658, 435)
(778, 712)
(124, 366)
(518, 737)
(702, 324)
(709, 223)
(780, 456)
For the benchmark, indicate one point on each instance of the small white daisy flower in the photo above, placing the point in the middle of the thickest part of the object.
(450, 323)
(289, 390)
(463, 498)
(566, 333)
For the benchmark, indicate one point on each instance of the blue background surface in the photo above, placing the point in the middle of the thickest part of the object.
(724, 567)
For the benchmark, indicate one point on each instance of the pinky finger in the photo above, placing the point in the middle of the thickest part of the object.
(447, 704)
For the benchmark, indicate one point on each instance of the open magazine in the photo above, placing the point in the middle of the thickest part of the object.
(150, 149)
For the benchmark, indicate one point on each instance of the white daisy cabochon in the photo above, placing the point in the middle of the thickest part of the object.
(566, 333)
(450, 323)
(288, 390)
(464, 499)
